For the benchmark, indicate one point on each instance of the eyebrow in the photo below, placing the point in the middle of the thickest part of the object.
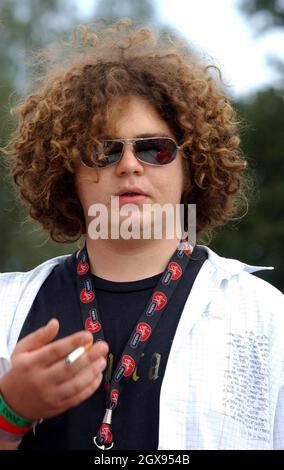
(156, 134)
(139, 136)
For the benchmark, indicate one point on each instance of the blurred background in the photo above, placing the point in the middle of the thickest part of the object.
(244, 37)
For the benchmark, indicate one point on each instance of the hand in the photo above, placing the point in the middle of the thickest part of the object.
(40, 384)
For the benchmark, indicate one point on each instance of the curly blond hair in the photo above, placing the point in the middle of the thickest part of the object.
(67, 112)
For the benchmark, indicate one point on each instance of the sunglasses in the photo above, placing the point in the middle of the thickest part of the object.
(150, 150)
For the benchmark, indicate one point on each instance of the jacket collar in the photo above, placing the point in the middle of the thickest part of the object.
(229, 267)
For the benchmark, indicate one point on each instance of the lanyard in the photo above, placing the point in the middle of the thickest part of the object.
(140, 335)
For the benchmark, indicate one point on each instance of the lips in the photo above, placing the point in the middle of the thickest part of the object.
(131, 195)
(131, 191)
(132, 199)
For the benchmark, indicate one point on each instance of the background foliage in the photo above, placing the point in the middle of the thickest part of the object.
(257, 239)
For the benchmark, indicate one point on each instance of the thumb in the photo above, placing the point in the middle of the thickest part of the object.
(38, 338)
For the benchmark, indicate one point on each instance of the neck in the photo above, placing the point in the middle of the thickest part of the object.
(129, 260)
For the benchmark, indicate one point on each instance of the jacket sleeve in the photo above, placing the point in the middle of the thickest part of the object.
(9, 287)
(17, 293)
(278, 429)
(278, 432)
(4, 354)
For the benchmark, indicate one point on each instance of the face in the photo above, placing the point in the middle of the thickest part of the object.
(134, 117)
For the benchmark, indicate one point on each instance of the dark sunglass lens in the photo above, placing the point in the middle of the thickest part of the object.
(156, 151)
(107, 153)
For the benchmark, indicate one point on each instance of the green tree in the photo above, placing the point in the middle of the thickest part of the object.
(266, 16)
(258, 238)
(24, 26)
(268, 13)
(110, 10)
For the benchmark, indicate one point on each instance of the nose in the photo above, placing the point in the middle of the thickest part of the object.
(128, 162)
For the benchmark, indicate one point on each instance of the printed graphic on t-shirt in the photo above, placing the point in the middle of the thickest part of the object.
(153, 370)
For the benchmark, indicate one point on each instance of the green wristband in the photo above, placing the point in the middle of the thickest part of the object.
(11, 416)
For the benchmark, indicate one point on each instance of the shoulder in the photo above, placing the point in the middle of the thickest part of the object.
(18, 289)
(17, 293)
(17, 278)
(241, 287)
(259, 297)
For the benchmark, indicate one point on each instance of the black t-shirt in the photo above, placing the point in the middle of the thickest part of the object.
(135, 423)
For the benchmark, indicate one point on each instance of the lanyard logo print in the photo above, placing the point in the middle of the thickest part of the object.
(141, 334)
(173, 273)
(87, 295)
(126, 369)
(159, 301)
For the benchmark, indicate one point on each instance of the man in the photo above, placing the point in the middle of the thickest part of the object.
(188, 346)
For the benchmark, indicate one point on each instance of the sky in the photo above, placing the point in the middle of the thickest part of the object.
(217, 28)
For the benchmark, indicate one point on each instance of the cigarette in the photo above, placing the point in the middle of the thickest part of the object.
(77, 353)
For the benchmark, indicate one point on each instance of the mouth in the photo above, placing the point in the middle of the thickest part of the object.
(129, 197)
(132, 194)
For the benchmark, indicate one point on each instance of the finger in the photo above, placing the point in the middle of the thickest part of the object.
(84, 395)
(80, 381)
(61, 372)
(58, 350)
(38, 338)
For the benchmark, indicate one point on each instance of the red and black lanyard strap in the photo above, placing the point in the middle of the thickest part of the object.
(141, 334)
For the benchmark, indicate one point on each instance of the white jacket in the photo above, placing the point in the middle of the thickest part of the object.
(223, 386)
